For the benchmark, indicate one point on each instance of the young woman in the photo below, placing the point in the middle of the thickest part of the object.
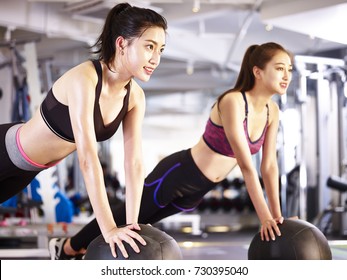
(86, 105)
(243, 120)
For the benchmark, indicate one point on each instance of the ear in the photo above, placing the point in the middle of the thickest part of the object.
(120, 43)
(256, 72)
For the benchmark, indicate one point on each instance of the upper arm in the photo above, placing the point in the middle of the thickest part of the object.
(81, 98)
(132, 123)
(232, 114)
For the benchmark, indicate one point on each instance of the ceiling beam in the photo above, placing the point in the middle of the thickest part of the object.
(242, 32)
(46, 18)
(275, 9)
(316, 18)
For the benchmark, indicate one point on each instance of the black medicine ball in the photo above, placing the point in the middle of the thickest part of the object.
(159, 246)
(299, 240)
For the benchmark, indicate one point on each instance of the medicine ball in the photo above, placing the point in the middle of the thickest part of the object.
(159, 246)
(299, 240)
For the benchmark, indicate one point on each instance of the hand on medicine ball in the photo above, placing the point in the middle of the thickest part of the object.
(269, 229)
(127, 234)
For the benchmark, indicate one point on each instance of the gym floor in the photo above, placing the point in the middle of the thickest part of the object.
(214, 244)
(234, 246)
(223, 237)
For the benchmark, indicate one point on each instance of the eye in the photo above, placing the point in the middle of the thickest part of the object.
(150, 47)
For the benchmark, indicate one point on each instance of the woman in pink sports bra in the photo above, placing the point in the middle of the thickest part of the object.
(243, 120)
(86, 105)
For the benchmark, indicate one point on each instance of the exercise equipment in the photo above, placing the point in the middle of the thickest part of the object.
(159, 246)
(325, 218)
(299, 240)
(226, 197)
(293, 192)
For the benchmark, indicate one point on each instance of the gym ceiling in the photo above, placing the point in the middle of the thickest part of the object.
(204, 48)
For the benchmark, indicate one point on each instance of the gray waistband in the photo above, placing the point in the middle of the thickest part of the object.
(14, 153)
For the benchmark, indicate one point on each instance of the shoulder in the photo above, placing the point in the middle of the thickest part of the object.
(80, 77)
(228, 106)
(230, 100)
(137, 94)
(274, 111)
(136, 90)
(77, 85)
(80, 74)
(85, 70)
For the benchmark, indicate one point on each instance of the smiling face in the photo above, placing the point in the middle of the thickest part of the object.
(142, 55)
(277, 74)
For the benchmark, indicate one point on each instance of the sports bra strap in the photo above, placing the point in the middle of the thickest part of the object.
(246, 104)
(98, 68)
(246, 107)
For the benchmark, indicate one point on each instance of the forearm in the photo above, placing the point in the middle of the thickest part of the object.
(93, 177)
(134, 179)
(256, 194)
(271, 182)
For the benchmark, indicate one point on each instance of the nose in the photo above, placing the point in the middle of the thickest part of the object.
(287, 75)
(155, 59)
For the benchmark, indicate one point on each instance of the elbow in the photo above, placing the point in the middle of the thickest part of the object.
(269, 169)
(85, 166)
(136, 165)
(247, 169)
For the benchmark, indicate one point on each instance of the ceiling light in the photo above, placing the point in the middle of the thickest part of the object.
(190, 67)
(196, 6)
(269, 27)
(187, 244)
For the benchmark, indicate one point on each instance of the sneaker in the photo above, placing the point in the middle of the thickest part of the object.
(55, 247)
(56, 250)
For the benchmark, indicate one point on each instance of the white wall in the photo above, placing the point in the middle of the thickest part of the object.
(159, 142)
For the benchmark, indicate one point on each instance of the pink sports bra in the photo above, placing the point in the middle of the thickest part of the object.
(214, 136)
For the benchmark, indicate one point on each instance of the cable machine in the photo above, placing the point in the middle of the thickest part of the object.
(323, 151)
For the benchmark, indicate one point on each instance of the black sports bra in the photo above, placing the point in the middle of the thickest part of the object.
(56, 115)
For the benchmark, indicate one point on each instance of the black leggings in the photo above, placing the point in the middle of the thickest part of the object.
(175, 184)
(12, 178)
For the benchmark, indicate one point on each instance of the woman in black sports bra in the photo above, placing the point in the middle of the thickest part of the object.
(243, 120)
(86, 105)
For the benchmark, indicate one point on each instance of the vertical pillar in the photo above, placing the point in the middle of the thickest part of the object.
(33, 76)
(323, 104)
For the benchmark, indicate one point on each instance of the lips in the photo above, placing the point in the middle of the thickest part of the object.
(149, 70)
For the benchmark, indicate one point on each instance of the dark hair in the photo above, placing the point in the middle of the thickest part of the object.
(255, 55)
(126, 21)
